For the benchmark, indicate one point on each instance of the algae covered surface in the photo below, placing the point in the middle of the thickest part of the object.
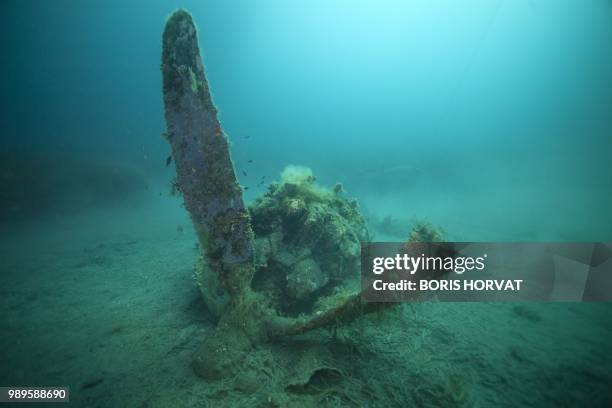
(307, 243)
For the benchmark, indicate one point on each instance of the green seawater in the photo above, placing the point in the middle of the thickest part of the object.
(488, 119)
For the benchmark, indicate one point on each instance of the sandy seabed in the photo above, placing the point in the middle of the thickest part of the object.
(104, 302)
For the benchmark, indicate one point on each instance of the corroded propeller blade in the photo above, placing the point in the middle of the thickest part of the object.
(205, 172)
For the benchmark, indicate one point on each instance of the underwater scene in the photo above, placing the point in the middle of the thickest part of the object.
(186, 188)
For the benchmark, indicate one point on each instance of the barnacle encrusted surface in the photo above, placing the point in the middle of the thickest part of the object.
(307, 241)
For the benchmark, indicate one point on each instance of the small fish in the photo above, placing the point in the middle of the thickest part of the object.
(246, 188)
(263, 177)
(247, 136)
(244, 173)
(261, 182)
(168, 160)
(250, 161)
